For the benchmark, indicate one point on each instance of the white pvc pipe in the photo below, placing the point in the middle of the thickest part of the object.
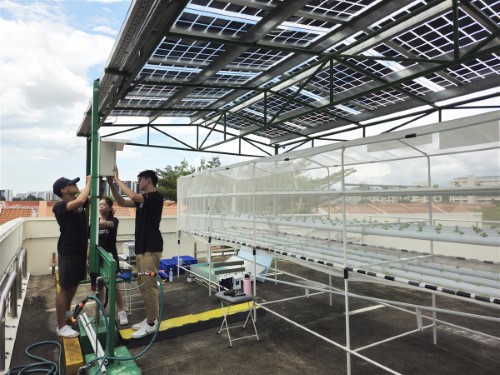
(461, 279)
(414, 231)
(328, 340)
(393, 338)
(96, 345)
(395, 303)
(346, 281)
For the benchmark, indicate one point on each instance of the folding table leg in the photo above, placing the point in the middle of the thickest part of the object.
(251, 314)
(225, 322)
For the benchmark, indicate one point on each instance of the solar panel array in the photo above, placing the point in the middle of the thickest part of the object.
(286, 72)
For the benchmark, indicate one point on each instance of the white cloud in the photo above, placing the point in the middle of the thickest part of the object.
(107, 1)
(45, 63)
(105, 30)
(31, 10)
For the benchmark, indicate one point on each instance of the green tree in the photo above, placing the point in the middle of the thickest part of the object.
(490, 212)
(32, 198)
(167, 178)
(212, 163)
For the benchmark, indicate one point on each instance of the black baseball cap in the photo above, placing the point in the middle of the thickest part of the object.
(61, 183)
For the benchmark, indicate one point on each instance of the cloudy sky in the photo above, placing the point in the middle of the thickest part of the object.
(51, 51)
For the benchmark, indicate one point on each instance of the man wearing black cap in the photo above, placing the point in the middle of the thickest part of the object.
(71, 247)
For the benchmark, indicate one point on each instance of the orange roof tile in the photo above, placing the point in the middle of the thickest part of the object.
(11, 213)
(169, 208)
(124, 211)
(401, 208)
(14, 209)
(22, 204)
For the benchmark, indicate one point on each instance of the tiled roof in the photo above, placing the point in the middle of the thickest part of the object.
(169, 208)
(394, 208)
(11, 213)
(124, 211)
(13, 210)
(465, 208)
(22, 204)
(400, 208)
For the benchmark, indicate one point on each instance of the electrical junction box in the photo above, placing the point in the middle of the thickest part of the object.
(107, 155)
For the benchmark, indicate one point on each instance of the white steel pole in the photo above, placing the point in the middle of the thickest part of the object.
(346, 274)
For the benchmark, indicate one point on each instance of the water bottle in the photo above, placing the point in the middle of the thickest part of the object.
(170, 275)
(247, 285)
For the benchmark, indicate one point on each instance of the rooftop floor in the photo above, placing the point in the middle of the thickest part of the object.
(286, 349)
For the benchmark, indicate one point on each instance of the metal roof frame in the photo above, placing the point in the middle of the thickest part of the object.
(275, 73)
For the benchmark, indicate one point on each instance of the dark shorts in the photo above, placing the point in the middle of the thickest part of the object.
(72, 269)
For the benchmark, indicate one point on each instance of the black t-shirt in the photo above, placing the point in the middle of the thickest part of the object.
(147, 223)
(107, 237)
(73, 227)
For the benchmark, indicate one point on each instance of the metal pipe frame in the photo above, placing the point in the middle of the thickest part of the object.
(325, 253)
(388, 302)
(10, 288)
(392, 304)
(301, 238)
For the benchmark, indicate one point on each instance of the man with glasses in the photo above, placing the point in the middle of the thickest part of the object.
(148, 241)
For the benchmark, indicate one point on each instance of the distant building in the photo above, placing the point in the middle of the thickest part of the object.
(132, 185)
(425, 199)
(6, 195)
(45, 195)
(50, 196)
(474, 181)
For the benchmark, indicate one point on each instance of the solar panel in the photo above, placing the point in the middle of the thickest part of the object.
(287, 72)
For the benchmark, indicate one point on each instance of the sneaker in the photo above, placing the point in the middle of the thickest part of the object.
(67, 332)
(145, 330)
(138, 326)
(122, 317)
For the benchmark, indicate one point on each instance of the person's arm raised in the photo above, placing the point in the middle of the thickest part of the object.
(80, 200)
(119, 199)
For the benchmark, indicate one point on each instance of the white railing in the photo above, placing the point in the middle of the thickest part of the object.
(11, 291)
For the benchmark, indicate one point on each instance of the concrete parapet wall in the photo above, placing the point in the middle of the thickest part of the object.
(41, 235)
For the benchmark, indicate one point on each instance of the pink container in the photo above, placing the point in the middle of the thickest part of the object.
(247, 286)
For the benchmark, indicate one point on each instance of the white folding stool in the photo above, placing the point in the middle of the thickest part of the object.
(229, 301)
